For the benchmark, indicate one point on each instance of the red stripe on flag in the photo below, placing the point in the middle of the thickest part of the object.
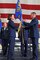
(29, 17)
(39, 26)
(7, 5)
(30, 7)
(24, 6)
(24, 16)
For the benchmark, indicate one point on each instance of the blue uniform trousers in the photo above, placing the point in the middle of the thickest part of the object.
(11, 48)
(35, 47)
(4, 46)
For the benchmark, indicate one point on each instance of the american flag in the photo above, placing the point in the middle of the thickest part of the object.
(28, 6)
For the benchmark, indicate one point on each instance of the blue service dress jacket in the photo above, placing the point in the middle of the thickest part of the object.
(33, 26)
(11, 27)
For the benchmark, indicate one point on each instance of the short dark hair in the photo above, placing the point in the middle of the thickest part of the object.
(33, 13)
(9, 16)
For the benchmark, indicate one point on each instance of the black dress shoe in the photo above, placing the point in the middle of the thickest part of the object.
(32, 58)
(12, 59)
(25, 55)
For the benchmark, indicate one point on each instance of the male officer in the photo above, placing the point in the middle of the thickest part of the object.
(11, 37)
(34, 34)
(5, 37)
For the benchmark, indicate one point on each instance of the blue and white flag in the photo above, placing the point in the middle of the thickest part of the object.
(18, 12)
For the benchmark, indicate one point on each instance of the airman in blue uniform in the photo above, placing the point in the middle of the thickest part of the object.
(34, 34)
(11, 37)
(5, 38)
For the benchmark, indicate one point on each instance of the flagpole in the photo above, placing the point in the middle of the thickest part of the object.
(18, 14)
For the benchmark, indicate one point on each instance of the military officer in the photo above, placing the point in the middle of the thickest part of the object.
(34, 34)
(5, 38)
(11, 37)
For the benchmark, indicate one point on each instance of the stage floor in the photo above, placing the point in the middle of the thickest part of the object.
(17, 51)
(18, 56)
